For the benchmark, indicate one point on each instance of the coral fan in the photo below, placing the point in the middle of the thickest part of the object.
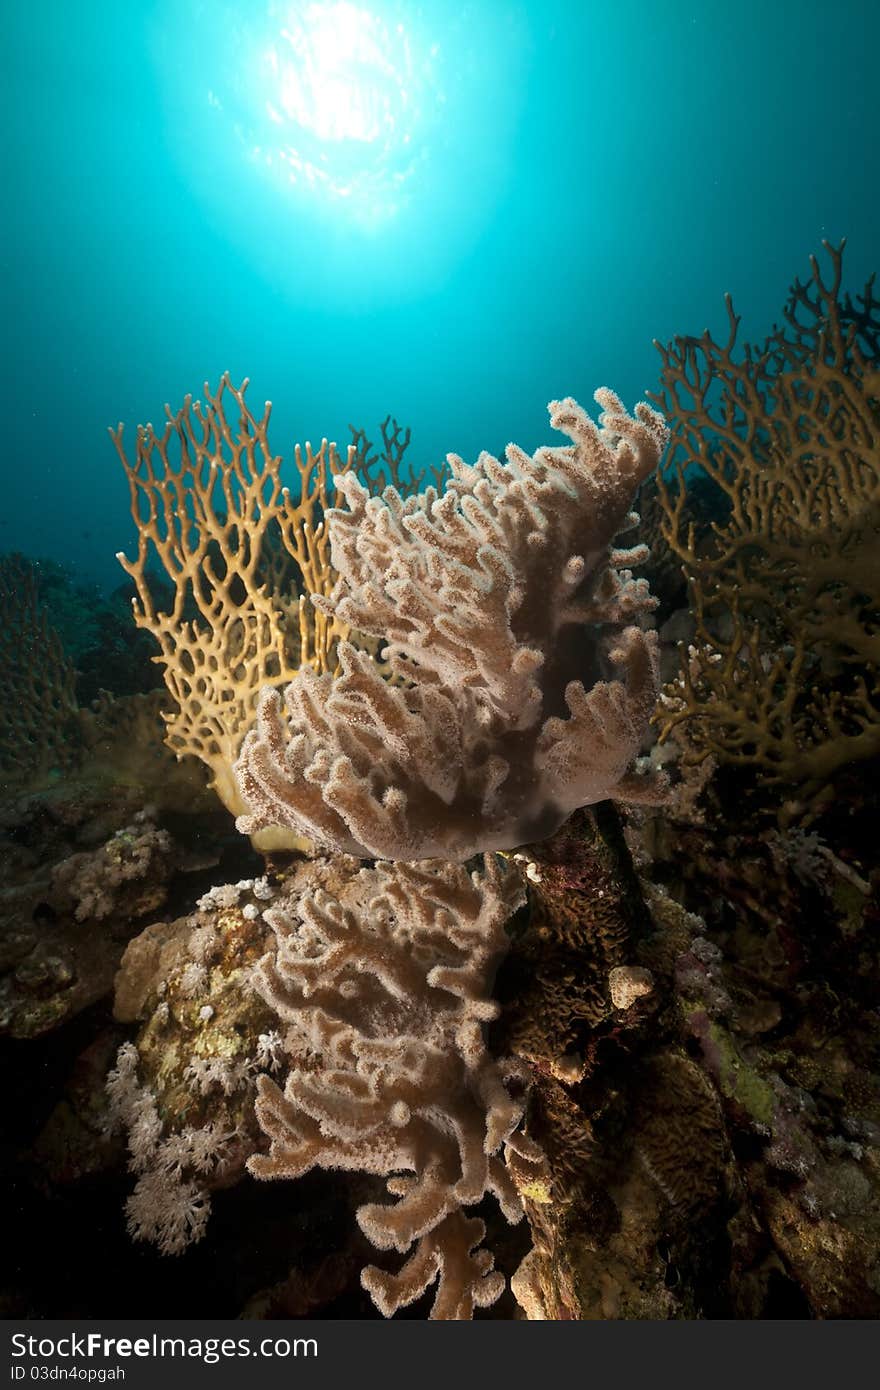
(785, 583)
(523, 680)
(238, 552)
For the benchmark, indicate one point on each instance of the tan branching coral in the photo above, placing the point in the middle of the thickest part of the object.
(387, 468)
(385, 990)
(238, 552)
(524, 679)
(785, 580)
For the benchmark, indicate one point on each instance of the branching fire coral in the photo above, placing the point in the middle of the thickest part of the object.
(385, 991)
(238, 553)
(785, 581)
(524, 679)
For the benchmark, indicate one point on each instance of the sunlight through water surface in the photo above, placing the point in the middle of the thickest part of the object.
(340, 105)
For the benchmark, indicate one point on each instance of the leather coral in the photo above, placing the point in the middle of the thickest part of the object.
(516, 678)
(382, 982)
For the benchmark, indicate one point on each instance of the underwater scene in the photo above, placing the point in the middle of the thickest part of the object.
(440, 660)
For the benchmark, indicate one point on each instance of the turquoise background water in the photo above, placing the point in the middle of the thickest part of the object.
(449, 212)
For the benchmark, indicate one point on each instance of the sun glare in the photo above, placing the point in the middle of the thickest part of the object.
(340, 106)
(321, 132)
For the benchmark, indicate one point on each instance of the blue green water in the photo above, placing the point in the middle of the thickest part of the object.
(449, 212)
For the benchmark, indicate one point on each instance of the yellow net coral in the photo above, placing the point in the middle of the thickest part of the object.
(226, 559)
(784, 575)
